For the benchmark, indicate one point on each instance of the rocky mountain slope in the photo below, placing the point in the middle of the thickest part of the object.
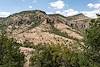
(38, 27)
(79, 21)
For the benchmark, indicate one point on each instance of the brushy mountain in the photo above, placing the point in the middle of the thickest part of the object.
(38, 27)
(79, 21)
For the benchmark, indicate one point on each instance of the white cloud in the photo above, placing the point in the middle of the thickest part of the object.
(59, 4)
(4, 14)
(96, 5)
(70, 12)
(91, 14)
(30, 7)
(58, 12)
(96, 10)
(90, 5)
(49, 12)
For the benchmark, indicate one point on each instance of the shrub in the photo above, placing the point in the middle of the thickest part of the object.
(58, 56)
(10, 55)
(92, 40)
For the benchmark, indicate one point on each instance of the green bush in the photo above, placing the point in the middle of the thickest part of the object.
(92, 40)
(58, 56)
(10, 55)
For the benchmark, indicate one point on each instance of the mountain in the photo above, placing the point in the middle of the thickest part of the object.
(37, 27)
(79, 21)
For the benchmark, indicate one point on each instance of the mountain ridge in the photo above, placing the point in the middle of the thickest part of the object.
(38, 27)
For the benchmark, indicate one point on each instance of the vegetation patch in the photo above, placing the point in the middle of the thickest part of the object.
(63, 34)
(58, 56)
(10, 55)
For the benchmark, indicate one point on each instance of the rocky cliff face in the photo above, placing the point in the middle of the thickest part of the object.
(38, 27)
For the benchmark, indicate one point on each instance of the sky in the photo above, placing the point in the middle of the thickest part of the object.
(65, 7)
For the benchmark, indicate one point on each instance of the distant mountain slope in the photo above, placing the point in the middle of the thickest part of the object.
(79, 21)
(38, 27)
(78, 17)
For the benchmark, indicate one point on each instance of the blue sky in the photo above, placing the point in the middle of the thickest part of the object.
(64, 7)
